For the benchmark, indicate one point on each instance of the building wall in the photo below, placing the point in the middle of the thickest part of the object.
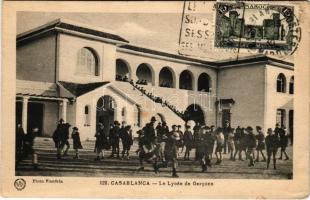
(68, 54)
(181, 98)
(90, 99)
(35, 60)
(246, 86)
(274, 99)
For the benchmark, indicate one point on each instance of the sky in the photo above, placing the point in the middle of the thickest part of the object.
(148, 29)
(160, 31)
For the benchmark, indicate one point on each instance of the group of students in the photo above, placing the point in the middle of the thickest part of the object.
(106, 141)
(159, 145)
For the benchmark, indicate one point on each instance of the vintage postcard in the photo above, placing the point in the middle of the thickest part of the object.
(168, 99)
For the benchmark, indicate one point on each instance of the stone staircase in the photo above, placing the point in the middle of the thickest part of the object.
(149, 107)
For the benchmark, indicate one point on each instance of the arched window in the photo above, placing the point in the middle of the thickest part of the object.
(87, 62)
(87, 115)
(291, 85)
(186, 80)
(281, 83)
(123, 72)
(204, 82)
(166, 78)
(145, 74)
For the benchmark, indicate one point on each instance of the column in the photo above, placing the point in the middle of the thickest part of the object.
(64, 110)
(195, 82)
(177, 80)
(156, 78)
(25, 113)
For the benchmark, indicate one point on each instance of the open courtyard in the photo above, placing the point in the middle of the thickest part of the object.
(86, 166)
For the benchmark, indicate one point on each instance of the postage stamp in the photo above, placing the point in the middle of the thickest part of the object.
(260, 27)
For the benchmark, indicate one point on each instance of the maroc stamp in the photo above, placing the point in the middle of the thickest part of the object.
(252, 26)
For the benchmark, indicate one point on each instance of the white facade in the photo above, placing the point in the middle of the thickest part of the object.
(250, 83)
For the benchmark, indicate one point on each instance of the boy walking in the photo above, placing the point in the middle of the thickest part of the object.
(76, 142)
(219, 137)
(272, 147)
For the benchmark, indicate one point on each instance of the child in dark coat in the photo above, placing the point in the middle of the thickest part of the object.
(76, 142)
(251, 145)
(260, 143)
(127, 141)
(272, 147)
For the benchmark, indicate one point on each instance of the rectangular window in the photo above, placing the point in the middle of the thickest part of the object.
(280, 117)
(87, 116)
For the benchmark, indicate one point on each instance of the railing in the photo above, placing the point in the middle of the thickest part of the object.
(157, 99)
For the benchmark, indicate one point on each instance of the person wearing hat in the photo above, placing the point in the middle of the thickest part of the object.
(127, 142)
(226, 131)
(114, 139)
(76, 142)
(237, 142)
(149, 131)
(101, 142)
(162, 133)
(57, 137)
(277, 130)
(251, 145)
(207, 140)
(196, 130)
(200, 144)
(272, 147)
(260, 143)
(188, 141)
(171, 152)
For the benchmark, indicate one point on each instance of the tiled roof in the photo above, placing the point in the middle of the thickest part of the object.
(41, 96)
(61, 24)
(165, 54)
(78, 89)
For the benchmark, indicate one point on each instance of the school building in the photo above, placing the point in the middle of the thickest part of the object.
(81, 74)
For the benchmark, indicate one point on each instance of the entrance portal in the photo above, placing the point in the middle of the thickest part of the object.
(105, 112)
(195, 113)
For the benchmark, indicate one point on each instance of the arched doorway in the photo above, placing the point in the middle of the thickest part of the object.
(166, 78)
(123, 72)
(106, 106)
(195, 113)
(145, 73)
(160, 118)
(186, 80)
(204, 82)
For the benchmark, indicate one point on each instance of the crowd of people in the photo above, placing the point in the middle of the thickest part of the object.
(159, 145)
(121, 78)
(158, 99)
(166, 84)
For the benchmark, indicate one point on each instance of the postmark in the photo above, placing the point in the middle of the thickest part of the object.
(256, 28)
